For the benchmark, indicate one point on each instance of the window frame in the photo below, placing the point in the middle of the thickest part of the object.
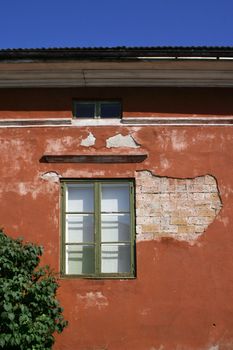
(97, 104)
(97, 229)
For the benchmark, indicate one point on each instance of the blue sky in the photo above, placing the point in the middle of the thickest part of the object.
(84, 23)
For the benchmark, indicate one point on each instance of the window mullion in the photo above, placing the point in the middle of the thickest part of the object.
(97, 109)
(97, 229)
(63, 220)
(132, 228)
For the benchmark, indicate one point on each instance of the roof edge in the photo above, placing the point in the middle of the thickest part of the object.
(115, 53)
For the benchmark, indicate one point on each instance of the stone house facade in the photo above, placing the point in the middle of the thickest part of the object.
(119, 162)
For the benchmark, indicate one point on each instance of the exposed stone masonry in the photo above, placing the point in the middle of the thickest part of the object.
(179, 208)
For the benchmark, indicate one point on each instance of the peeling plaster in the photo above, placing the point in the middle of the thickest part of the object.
(214, 347)
(16, 153)
(226, 190)
(52, 176)
(94, 299)
(61, 144)
(34, 188)
(178, 140)
(225, 220)
(121, 141)
(22, 189)
(164, 163)
(88, 141)
(82, 173)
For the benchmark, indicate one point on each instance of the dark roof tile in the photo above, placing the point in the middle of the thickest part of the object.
(117, 52)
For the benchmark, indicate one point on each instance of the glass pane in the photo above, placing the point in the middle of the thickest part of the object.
(79, 228)
(80, 197)
(80, 259)
(110, 110)
(84, 110)
(115, 258)
(115, 197)
(115, 227)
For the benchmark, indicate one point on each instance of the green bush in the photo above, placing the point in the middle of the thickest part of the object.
(29, 310)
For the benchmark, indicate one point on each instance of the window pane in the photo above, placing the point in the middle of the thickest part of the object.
(115, 258)
(80, 197)
(79, 228)
(80, 259)
(84, 110)
(115, 227)
(110, 110)
(115, 197)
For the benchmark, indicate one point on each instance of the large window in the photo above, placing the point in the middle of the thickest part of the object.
(97, 109)
(98, 228)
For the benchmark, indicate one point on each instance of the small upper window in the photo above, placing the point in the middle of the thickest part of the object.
(97, 109)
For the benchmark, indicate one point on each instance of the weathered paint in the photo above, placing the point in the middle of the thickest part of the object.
(181, 298)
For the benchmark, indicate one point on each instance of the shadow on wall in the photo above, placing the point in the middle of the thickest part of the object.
(146, 100)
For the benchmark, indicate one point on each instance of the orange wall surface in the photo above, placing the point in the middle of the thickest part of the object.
(182, 296)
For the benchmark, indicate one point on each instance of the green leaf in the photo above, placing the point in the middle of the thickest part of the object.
(11, 316)
(30, 311)
(2, 342)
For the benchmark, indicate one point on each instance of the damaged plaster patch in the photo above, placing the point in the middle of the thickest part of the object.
(94, 299)
(22, 189)
(178, 208)
(121, 141)
(164, 163)
(35, 187)
(52, 176)
(61, 144)
(75, 173)
(88, 141)
(178, 140)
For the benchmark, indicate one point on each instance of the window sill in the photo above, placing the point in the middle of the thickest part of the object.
(110, 277)
(96, 122)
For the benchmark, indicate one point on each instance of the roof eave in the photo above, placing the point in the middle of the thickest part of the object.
(115, 53)
(116, 67)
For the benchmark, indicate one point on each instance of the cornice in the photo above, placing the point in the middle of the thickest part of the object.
(181, 73)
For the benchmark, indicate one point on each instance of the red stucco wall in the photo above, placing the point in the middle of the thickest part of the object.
(182, 297)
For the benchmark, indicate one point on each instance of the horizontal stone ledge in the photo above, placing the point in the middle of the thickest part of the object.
(128, 121)
(34, 122)
(102, 158)
(177, 121)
